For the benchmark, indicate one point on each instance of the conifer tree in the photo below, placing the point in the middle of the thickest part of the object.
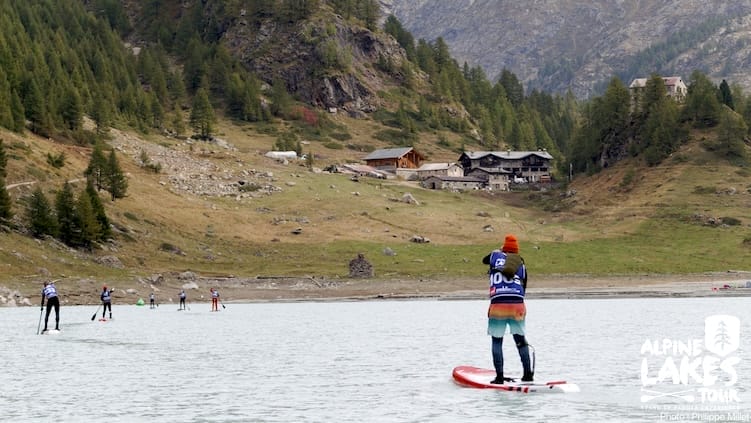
(394, 27)
(654, 91)
(661, 131)
(35, 110)
(615, 112)
(512, 86)
(6, 115)
(6, 204)
(67, 218)
(101, 114)
(89, 230)
(105, 231)
(202, 115)
(176, 87)
(71, 109)
(39, 215)
(178, 124)
(731, 136)
(726, 96)
(424, 56)
(702, 106)
(280, 98)
(97, 169)
(370, 13)
(3, 160)
(117, 185)
(157, 112)
(16, 109)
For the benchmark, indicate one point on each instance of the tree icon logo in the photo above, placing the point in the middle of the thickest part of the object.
(722, 334)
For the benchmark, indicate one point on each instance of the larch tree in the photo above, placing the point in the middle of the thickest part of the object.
(97, 170)
(39, 215)
(117, 185)
(702, 107)
(89, 228)
(71, 109)
(67, 218)
(105, 231)
(101, 114)
(3, 160)
(731, 136)
(202, 116)
(6, 204)
(726, 96)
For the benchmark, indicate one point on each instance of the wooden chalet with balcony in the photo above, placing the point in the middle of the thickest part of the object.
(531, 166)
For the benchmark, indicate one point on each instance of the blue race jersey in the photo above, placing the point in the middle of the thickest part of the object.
(502, 288)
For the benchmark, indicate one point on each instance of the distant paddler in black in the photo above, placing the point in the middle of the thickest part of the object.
(182, 299)
(151, 300)
(49, 292)
(106, 297)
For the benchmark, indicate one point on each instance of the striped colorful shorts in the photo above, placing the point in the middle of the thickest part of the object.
(504, 315)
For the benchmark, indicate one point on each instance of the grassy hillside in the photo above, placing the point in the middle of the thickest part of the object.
(627, 219)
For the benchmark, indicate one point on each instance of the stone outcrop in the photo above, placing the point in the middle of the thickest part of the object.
(290, 52)
(359, 267)
(185, 171)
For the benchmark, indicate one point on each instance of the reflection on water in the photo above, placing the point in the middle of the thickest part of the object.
(340, 361)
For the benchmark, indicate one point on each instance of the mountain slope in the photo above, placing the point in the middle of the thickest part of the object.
(222, 208)
(314, 223)
(571, 44)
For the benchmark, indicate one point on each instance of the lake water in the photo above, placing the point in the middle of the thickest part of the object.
(377, 361)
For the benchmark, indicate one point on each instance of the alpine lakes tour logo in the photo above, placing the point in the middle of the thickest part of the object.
(695, 370)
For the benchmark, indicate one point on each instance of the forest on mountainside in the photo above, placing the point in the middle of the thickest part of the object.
(168, 67)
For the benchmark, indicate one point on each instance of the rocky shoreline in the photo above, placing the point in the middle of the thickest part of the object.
(84, 291)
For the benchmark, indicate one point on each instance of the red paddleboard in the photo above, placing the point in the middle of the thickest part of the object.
(475, 377)
(102, 320)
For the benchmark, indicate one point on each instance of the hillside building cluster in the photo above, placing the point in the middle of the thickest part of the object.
(490, 170)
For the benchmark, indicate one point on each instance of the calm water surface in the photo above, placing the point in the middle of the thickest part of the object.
(375, 361)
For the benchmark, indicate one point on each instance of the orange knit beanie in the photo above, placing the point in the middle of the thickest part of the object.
(510, 245)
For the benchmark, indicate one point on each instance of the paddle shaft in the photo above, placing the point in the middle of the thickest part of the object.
(39, 325)
(96, 312)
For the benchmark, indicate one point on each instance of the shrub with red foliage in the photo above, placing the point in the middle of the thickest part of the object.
(310, 117)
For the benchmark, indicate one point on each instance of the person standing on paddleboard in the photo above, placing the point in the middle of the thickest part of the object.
(49, 292)
(182, 299)
(214, 300)
(508, 282)
(106, 297)
(151, 300)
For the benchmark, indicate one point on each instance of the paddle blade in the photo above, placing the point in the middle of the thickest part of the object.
(93, 317)
(223, 305)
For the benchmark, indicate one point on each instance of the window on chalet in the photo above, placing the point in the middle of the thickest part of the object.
(488, 161)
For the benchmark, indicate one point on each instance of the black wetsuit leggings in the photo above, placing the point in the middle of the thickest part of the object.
(107, 305)
(182, 302)
(52, 302)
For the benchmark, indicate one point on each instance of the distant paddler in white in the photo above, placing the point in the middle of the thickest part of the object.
(49, 292)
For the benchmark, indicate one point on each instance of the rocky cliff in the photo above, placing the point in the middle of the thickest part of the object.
(557, 45)
(324, 61)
